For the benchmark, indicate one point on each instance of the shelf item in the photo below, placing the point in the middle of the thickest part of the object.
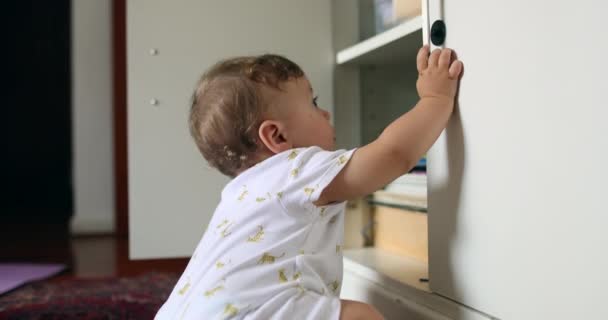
(388, 13)
(411, 184)
(408, 191)
(399, 200)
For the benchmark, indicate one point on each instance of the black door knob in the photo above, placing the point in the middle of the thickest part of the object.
(438, 33)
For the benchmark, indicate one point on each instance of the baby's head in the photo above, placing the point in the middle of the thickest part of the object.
(247, 109)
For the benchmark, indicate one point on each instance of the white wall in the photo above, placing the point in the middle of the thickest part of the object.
(92, 117)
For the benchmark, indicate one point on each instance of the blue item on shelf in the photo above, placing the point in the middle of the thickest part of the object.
(420, 166)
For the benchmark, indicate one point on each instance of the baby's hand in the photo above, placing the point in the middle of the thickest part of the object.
(437, 74)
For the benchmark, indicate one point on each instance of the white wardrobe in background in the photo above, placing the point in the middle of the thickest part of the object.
(516, 216)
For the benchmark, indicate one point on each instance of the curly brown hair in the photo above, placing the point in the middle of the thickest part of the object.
(228, 108)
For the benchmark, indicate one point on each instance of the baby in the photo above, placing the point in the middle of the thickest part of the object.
(273, 247)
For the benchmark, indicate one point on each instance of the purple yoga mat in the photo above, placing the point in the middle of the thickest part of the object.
(12, 275)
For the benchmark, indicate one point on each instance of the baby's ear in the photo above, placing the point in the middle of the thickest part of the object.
(273, 135)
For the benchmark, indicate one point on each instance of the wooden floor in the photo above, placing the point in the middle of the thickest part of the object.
(96, 256)
(86, 256)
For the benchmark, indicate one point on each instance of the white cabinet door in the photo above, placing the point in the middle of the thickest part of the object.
(517, 199)
(172, 194)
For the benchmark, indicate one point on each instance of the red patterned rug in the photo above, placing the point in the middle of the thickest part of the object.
(92, 299)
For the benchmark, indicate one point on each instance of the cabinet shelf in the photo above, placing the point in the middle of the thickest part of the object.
(400, 275)
(392, 46)
(379, 264)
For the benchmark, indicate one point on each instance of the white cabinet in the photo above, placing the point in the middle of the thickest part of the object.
(517, 210)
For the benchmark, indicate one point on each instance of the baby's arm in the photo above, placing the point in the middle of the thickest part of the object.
(404, 141)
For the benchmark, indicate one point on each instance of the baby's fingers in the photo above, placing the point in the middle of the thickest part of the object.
(455, 69)
(422, 60)
(434, 58)
(444, 58)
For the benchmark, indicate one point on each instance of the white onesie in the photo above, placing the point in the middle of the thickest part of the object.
(269, 252)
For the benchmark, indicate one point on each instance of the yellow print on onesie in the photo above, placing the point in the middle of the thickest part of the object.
(259, 236)
(267, 258)
(210, 293)
(334, 286)
(283, 277)
(243, 194)
(220, 264)
(185, 288)
(333, 219)
(294, 173)
(323, 213)
(309, 191)
(292, 155)
(296, 275)
(224, 223)
(225, 232)
(262, 199)
(230, 310)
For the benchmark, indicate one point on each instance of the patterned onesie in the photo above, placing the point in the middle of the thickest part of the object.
(269, 252)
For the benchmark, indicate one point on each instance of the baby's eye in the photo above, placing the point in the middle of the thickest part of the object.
(314, 101)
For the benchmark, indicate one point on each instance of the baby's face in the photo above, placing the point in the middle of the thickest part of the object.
(306, 123)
